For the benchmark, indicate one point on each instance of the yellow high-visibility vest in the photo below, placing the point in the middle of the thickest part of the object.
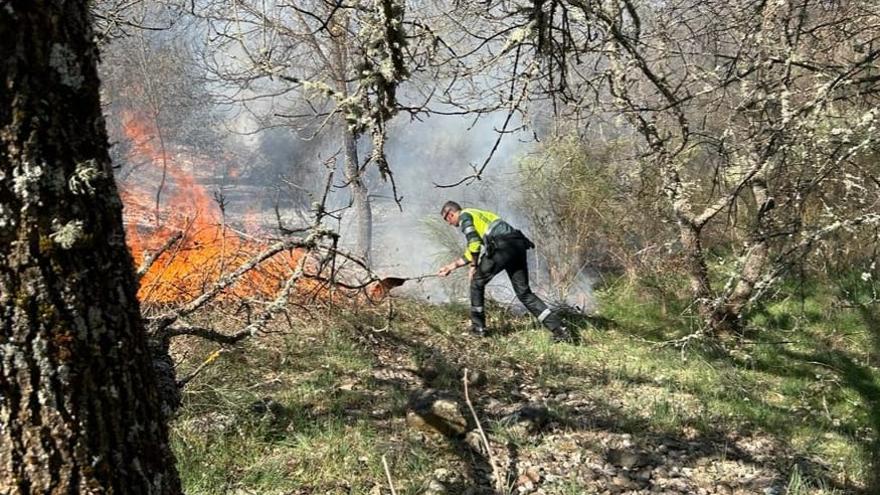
(483, 221)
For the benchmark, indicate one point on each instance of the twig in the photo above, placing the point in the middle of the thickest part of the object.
(190, 222)
(514, 108)
(681, 341)
(389, 316)
(151, 258)
(388, 475)
(496, 473)
(778, 342)
(210, 359)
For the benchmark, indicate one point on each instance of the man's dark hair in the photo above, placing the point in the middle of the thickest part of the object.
(449, 206)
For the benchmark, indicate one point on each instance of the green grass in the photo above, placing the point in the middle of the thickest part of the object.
(317, 434)
(804, 379)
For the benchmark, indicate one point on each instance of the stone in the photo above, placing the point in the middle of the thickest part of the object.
(436, 412)
(476, 378)
(533, 473)
(475, 442)
(622, 480)
(435, 487)
(628, 459)
(644, 474)
(527, 419)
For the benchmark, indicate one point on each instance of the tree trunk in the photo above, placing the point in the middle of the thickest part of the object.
(698, 273)
(360, 195)
(756, 257)
(79, 411)
(751, 272)
(870, 393)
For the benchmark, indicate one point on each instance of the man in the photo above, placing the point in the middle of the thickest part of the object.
(494, 245)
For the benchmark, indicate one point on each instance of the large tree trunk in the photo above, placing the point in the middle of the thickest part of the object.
(79, 411)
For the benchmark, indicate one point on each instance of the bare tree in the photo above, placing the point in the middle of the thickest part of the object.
(79, 406)
(151, 76)
(116, 19)
(344, 58)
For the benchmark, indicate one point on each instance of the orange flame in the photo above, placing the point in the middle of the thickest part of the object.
(209, 249)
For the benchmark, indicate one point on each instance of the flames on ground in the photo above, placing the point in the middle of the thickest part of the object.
(210, 247)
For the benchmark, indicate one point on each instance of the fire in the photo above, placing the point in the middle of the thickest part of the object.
(209, 249)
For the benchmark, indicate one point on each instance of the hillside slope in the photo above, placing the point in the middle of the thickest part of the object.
(314, 408)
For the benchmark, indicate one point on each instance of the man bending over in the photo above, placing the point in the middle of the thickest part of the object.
(494, 245)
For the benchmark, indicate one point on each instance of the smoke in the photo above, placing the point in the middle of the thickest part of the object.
(423, 154)
(443, 150)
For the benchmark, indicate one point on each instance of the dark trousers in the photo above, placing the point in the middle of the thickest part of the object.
(510, 257)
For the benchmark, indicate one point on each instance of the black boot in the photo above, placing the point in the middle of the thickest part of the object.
(562, 335)
(478, 331)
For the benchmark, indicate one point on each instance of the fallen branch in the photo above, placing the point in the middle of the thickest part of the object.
(225, 282)
(496, 472)
(703, 335)
(276, 306)
(685, 341)
(208, 334)
(161, 323)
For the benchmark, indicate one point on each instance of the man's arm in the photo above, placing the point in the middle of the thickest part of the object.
(471, 252)
(474, 241)
(449, 267)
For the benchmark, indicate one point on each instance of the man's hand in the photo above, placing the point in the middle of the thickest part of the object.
(446, 270)
(471, 271)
